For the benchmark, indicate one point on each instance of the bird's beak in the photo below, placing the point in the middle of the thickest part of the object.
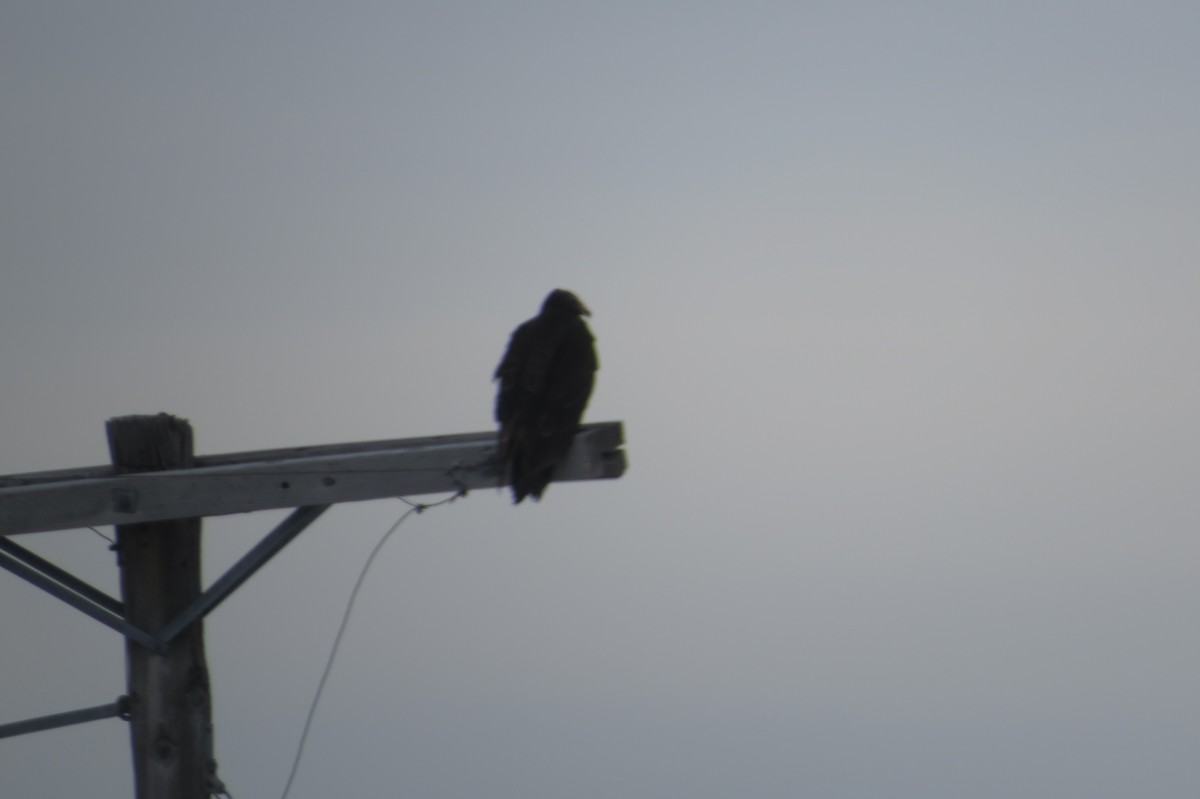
(583, 309)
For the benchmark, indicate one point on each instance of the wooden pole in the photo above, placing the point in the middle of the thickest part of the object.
(170, 703)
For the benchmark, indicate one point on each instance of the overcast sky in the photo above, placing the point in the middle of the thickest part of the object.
(897, 302)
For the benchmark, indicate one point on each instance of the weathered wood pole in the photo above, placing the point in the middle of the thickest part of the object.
(170, 708)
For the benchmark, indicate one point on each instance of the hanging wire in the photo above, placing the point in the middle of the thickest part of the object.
(414, 507)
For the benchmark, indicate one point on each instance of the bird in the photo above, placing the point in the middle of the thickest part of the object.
(545, 380)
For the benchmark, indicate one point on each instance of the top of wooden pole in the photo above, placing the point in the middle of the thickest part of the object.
(148, 443)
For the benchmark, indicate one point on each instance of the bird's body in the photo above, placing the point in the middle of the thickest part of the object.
(546, 378)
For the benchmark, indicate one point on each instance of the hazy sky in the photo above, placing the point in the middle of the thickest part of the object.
(897, 301)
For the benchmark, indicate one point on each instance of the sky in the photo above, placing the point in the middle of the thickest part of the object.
(896, 301)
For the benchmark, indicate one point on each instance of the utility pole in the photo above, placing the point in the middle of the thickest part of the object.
(170, 707)
(155, 493)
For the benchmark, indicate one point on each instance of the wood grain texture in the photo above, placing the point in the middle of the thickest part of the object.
(170, 704)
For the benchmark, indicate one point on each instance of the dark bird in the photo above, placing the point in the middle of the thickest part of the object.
(546, 378)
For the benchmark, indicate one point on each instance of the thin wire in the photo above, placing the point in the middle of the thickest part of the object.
(102, 535)
(414, 507)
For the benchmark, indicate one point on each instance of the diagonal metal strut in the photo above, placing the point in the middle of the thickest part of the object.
(55, 720)
(70, 589)
(241, 571)
(32, 559)
(108, 611)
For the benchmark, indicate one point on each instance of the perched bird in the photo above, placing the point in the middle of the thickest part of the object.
(546, 378)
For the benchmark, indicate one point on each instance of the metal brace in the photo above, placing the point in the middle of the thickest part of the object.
(108, 611)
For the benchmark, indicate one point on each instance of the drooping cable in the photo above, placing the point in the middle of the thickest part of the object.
(414, 507)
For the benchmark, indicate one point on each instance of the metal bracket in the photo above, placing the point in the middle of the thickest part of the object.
(108, 611)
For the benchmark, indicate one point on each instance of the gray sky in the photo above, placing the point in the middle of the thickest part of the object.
(897, 302)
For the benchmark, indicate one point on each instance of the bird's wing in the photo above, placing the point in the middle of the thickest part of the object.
(569, 379)
(526, 368)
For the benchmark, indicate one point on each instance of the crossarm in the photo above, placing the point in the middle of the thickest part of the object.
(282, 478)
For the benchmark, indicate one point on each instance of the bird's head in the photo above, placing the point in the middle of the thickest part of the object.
(561, 301)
